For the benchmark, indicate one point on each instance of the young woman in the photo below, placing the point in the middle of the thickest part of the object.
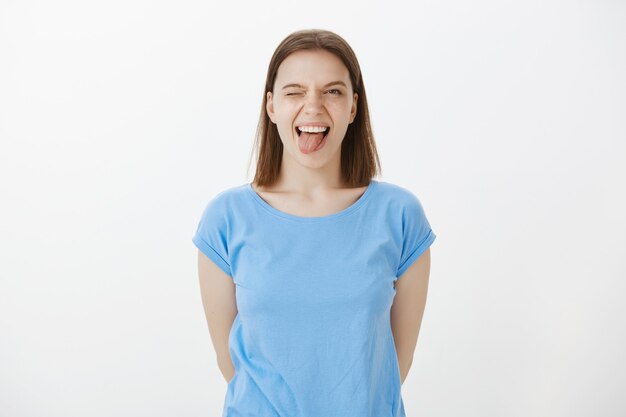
(314, 276)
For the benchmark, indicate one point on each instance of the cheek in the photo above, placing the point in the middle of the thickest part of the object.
(287, 109)
(339, 105)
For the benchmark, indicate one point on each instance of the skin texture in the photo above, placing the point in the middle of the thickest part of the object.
(407, 310)
(218, 298)
(310, 185)
(315, 175)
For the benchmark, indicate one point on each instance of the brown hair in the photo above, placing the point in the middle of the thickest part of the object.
(359, 158)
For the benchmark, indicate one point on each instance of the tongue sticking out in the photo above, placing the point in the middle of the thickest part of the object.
(309, 142)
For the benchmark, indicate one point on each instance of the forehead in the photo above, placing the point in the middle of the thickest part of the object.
(311, 65)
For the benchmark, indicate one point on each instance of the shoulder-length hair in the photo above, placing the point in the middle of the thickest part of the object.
(359, 158)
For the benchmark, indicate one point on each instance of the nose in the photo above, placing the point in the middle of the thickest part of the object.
(312, 103)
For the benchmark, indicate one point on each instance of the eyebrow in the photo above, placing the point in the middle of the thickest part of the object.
(327, 85)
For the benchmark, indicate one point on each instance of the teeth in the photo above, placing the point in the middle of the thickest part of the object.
(312, 129)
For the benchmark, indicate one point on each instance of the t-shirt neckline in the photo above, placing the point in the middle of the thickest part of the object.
(358, 203)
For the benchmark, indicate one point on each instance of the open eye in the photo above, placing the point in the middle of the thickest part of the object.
(337, 91)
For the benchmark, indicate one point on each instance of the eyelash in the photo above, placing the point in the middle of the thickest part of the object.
(332, 89)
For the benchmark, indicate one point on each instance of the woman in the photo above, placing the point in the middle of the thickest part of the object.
(314, 276)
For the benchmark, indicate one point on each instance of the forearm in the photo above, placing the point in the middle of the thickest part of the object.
(227, 369)
(404, 363)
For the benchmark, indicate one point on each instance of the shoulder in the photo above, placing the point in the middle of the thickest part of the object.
(398, 196)
(224, 201)
(228, 194)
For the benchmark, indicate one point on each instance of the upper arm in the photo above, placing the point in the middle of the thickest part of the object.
(408, 305)
(218, 299)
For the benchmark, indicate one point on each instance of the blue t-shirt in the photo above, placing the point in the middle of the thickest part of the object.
(312, 336)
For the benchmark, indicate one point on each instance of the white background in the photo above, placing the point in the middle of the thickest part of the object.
(119, 120)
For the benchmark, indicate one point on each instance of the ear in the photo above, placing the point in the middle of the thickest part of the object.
(269, 106)
(353, 111)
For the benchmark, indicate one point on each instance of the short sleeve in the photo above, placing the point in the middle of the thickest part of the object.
(211, 236)
(417, 234)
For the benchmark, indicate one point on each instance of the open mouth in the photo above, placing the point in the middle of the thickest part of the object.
(325, 132)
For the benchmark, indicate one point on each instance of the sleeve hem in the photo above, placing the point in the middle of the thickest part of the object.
(420, 249)
(212, 254)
